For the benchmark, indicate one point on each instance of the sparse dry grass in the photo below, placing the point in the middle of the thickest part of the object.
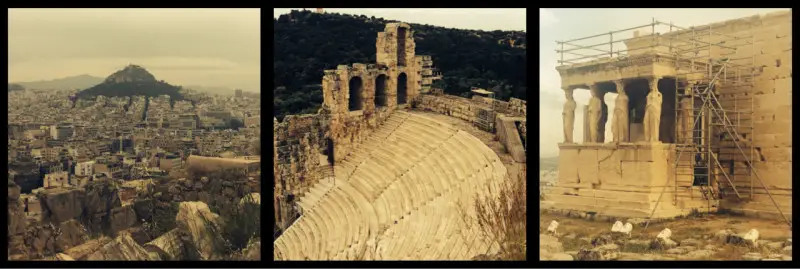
(502, 218)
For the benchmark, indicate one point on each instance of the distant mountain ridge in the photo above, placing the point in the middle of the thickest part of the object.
(68, 83)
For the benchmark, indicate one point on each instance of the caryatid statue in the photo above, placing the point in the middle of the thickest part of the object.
(569, 116)
(652, 112)
(619, 122)
(595, 108)
(686, 119)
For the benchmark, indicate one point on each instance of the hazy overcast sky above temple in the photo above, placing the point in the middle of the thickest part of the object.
(487, 19)
(209, 47)
(566, 24)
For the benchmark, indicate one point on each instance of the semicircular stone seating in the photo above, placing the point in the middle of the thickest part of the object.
(400, 195)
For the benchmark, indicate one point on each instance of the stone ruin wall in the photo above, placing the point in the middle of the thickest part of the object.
(772, 98)
(468, 109)
(299, 140)
(350, 128)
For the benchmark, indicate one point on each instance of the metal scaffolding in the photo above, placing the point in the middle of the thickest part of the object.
(714, 128)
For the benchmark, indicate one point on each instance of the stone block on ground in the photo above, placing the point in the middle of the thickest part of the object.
(601, 253)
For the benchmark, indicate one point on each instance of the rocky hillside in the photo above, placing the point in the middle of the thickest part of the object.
(130, 81)
(213, 217)
(307, 43)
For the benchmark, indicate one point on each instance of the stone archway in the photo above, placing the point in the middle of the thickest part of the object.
(381, 99)
(356, 85)
(402, 91)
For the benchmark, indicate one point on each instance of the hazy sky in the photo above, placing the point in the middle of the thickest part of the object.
(566, 24)
(208, 47)
(488, 19)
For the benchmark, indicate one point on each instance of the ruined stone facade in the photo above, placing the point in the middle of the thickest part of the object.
(361, 96)
(394, 169)
(356, 100)
(627, 176)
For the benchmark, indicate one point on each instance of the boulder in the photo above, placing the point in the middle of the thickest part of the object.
(122, 248)
(196, 219)
(664, 234)
(601, 253)
(79, 252)
(70, 233)
(101, 196)
(168, 246)
(122, 218)
(41, 240)
(617, 227)
(663, 244)
(16, 217)
(751, 238)
(602, 239)
(636, 245)
(561, 257)
(63, 257)
(752, 256)
(61, 204)
(723, 236)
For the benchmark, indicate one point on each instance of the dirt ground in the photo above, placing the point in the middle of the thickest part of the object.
(701, 227)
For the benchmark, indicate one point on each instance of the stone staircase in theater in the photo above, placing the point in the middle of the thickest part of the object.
(398, 196)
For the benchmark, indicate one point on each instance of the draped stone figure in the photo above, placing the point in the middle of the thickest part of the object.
(652, 113)
(619, 121)
(569, 116)
(685, 121)
(595, 108)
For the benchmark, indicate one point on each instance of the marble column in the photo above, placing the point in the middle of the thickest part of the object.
(568, 115)
(620, 119)
(652, 112)
(594, 114)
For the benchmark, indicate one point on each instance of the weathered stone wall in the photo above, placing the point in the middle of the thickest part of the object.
(514, 107)
(622, 180)
(454, 106)
(771, 95)
(299, 141)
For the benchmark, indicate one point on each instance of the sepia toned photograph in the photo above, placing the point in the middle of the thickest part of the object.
(674, 139)
(400, 134)
(134, 134)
